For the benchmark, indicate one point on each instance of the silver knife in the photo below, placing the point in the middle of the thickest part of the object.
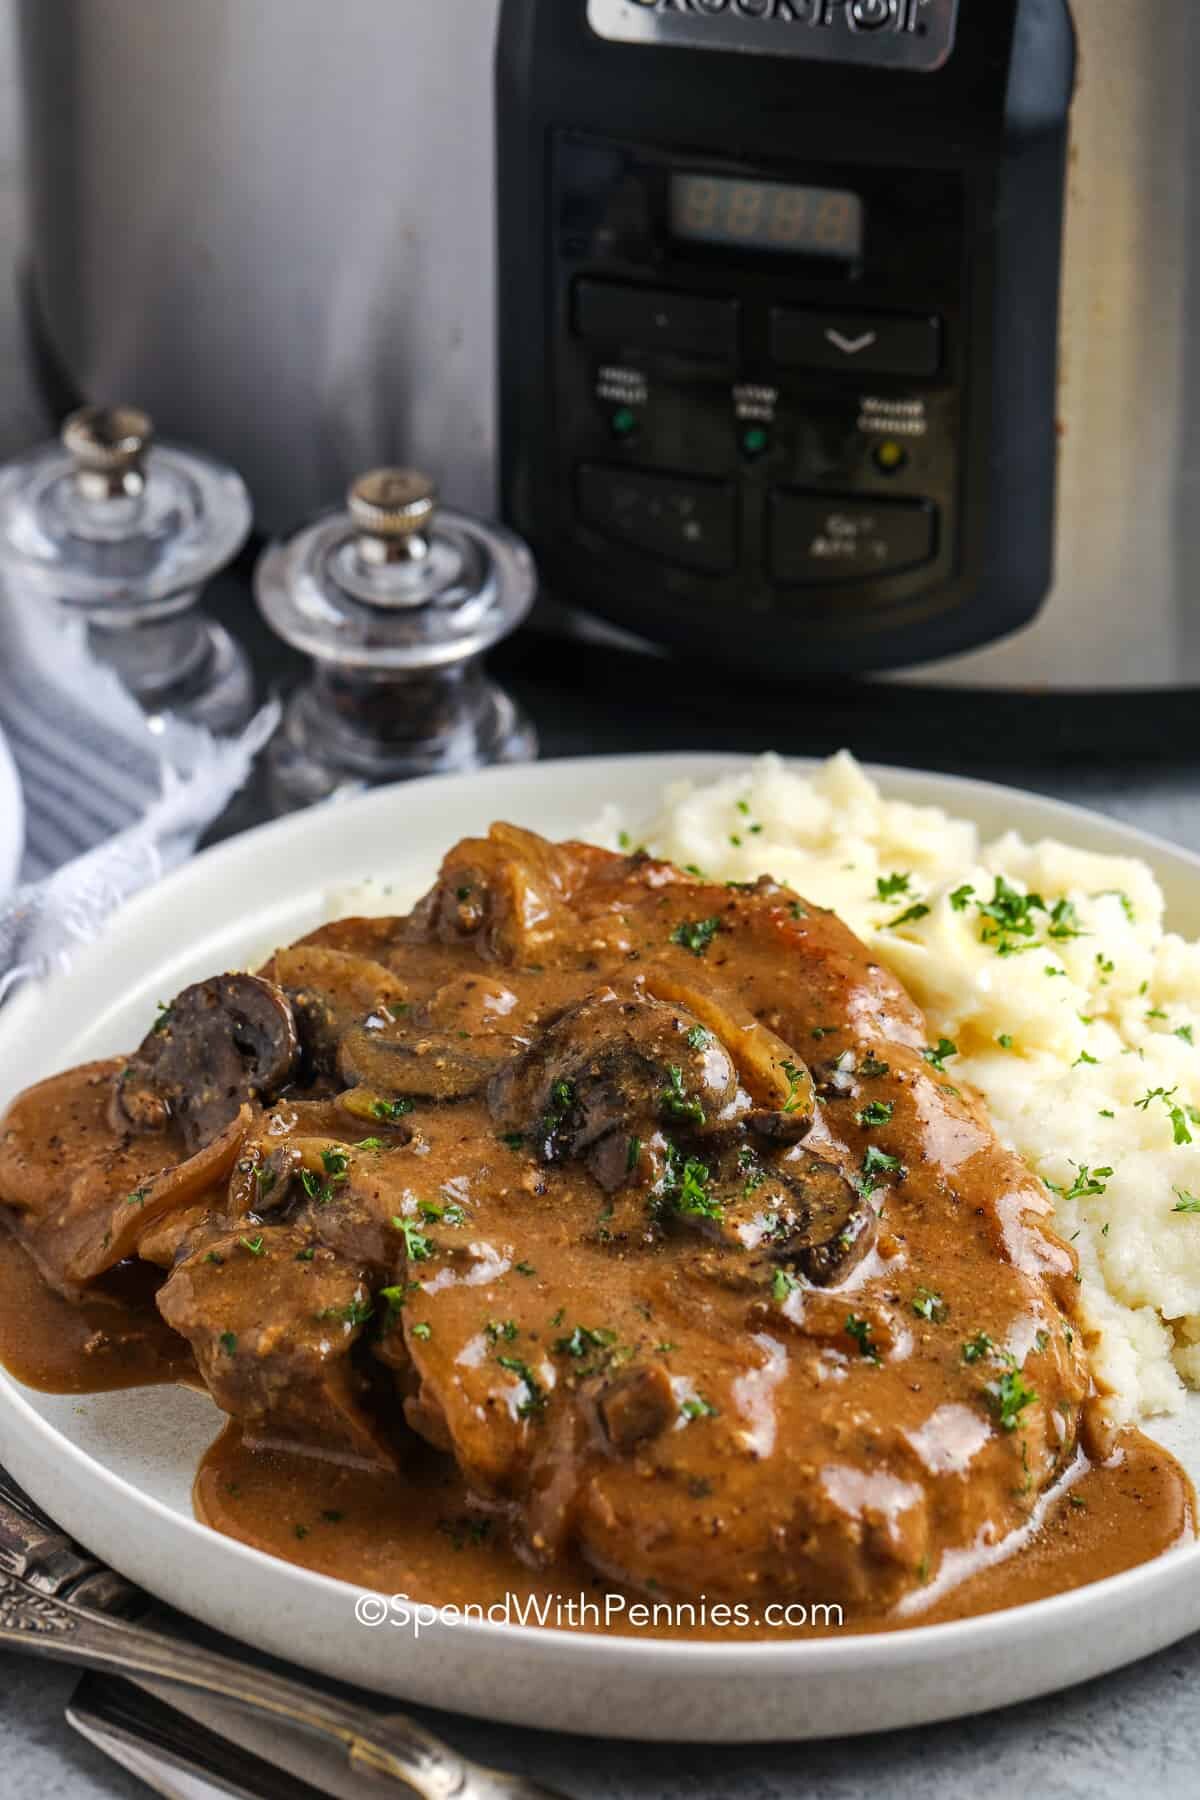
(49, 1593)
(177, 1758)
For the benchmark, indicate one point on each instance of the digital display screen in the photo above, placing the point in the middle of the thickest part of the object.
(767, 215)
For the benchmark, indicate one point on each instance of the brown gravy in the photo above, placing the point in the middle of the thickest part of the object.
(416, 1535)
(113, 1339)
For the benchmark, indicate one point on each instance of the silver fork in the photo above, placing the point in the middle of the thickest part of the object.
(49, 1591)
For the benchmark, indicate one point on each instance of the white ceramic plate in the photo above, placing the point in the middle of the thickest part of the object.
(12, 820)
(116, 1470)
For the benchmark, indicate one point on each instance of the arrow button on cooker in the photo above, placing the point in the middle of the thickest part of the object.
(866, 343)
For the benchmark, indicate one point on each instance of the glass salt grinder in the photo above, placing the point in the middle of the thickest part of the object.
(123, 533)
(396, 602)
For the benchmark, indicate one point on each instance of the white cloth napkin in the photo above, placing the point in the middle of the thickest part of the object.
(110, 804)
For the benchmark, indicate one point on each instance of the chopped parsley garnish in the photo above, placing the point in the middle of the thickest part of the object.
(336, 1163)
(860, 1331)
(685, 1187)
(524, 1268)
(1009, 915)
(495, 1329)
(213, 1257)
(371, 1144)
(676, 1102)
(1064, 922)
(417, 1247)
(316, 1189)
(1185, 1032)
(1005, 1040)
(910, 917)
(423, 1331)
(562, 1099)
(633, 1154)
(890, 887)
(928, 1305)
(1009, 1396)
(695, 934)
(962, 896)
(229, 1343)
(879, 1162)
(1185, 1202)
(1126, 902)
(394, 1300)
(976, 1348)
(795, 1079)
(583, 1340)
(875, 1112)
(1083, 1057)
(698, 1038)
(265, 1178)
(449, 1214)
(391, 1109)
(937, 1055)
(138, 1197)
(355, 1312)
(1178, 1115)
(513, 1139)
(534, 1398)
(796, 910)
(1087, 1183)
(254, 1245)
(697, 1407)
(870, 1067)
(306, 1255)
(782, 1285)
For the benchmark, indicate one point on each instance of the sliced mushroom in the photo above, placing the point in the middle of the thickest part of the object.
(609, 1072)
(330, 990)
(218, 1045)
(797, 1209)
(774, 1074)
(428, 1066)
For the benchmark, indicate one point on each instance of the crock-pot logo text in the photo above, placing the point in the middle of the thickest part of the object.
(859, 15)
(911, 35)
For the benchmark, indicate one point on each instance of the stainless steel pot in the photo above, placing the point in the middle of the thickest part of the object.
(271, 224)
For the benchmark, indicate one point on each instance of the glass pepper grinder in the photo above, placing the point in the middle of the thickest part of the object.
(124, 533)
(396, 602)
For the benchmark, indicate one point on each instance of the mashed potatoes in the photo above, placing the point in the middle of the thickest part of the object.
(1048, 971)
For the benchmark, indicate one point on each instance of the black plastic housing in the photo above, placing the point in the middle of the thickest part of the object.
(963, 174)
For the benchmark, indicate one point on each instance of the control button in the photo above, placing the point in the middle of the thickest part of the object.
(624, 423)
(673, 516)
(889, 457)
(869, 343)
(821, 538)
(654, 319)
(756, 441)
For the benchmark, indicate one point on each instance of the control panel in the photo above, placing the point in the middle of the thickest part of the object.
(778, 336)
(785, 419)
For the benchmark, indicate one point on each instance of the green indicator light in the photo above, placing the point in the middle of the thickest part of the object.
(624, 422)
(755, 440)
